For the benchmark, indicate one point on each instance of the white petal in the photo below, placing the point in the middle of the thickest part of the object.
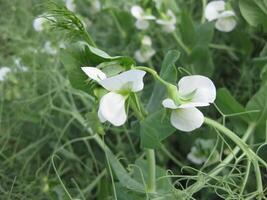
(146, 40)
(205, 89)
(3, 72)
(225, 24)
(148, 17)
(131, 80)
(137, 11)
(193, 104)
(169, 103)
(139, 57)
(187, 119)
(112, 109)
(70, 5)
(227, 13)
(94, 73)
(169, 28)
(213, 9)
(101, 117)
(38, 24)
(141, 24)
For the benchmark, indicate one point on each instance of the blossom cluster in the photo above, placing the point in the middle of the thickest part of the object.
(192, 91)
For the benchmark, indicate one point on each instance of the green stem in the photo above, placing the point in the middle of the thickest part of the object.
(154, 74)
(258, 178)
(199, 184)
(237, 140)
(204, 3)
(181, 44)
(151, 181)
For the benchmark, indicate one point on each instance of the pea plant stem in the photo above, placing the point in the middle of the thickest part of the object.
(151, 181)
(150, 153)
(237, 140)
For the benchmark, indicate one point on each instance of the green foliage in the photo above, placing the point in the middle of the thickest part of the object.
(169, 73)
(258, 103)
(254, 11)
(154, 129)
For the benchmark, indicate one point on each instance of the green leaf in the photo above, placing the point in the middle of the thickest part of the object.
(187, 29)
(163, 185)
(154, 129)
(258, 103)
(254, 12)
(201, 60)
(169, 73)
(228, 104)
(81, 54)
(125, 179)
(204, 33)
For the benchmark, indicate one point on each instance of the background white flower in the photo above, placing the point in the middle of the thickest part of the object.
(225, 19)
(146, 51)
(3, 72)
(38, 24)
(168, 23)
(141, 17)
(112, 104)
(185, 116)
(70, 5)
(49, 49)
(201, 152)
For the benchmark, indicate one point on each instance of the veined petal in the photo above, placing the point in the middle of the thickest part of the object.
(137, 11)
(187, 119)
(112, 109)
(169, 103)
(141, 24)
(205, 91)
(213, 9)
(131, 80)
(94, 73)
(225, 24)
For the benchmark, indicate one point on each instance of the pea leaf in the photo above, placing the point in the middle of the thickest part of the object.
(187, 29)
(258, 103)
(81, 54)
(254, 12)
(169, 73)
(125, 179)
(154, 129)
(228, 104)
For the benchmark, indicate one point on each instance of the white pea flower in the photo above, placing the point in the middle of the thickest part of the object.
(225, 19)
(49, 49)
(168, 23)
(201, 151)
(95, 6)
(3, 72)
(70, 5)
(146, 51)
(194, 91)
(112, 104)
(141, 17)
(38, 24)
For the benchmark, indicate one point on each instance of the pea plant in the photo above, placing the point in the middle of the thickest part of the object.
(157, 101)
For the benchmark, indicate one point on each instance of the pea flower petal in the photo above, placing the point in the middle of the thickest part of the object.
(94, 73)
(226, 21)
(131, 80)
(112, 109)
(205, 91)
(187, 119)
(213, 9)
